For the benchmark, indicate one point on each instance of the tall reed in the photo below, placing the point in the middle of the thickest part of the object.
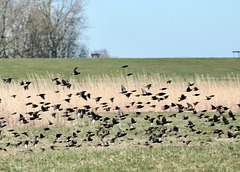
(226, 92)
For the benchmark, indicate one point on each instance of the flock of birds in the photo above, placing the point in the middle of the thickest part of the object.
(114, 128)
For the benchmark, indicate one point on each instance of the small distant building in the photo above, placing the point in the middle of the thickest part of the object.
(95, 55)
(236, 52)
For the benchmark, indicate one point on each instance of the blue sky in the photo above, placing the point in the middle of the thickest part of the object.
(164, 28)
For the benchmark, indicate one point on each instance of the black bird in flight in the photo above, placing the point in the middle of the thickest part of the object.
(190, 84)
(148, 86)
(97, 99)
(123, 89)
(57, 81)
(112, 99)
(8, 80)
(124, 66)
(169, 81)
(75, 72)
(65, 82)
(42, 96)
(182, 97)
(188, 89)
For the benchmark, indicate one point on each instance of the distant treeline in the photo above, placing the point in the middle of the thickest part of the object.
(41, 29)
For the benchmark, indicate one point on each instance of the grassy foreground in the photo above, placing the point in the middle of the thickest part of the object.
(188, 67)
(222, 157)
(133, 152)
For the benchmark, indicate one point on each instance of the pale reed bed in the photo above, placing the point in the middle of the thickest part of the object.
(226, 91)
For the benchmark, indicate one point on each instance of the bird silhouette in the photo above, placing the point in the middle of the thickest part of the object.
(42, 96)
(169, 81)
(35, 142)
(25, 143)
(7, 80)
(123, 89)
(124, 66)
(182, 97)
(112, 99)
(75, 72)
(145, 93)
(148, 86)
(97, 99)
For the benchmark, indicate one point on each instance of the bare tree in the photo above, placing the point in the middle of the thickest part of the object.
(5, 20)
(41, 28)
(83, 51)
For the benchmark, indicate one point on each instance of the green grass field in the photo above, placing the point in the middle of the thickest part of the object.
(206, 152)
(196, 149)
(205, 158)
(184, 67)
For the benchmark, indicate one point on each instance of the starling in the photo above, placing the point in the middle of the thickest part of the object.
(25, 143)
(148, 86)
(7, 80)
(75, 72)
(123, 89)
(35, 142)
(42, 96)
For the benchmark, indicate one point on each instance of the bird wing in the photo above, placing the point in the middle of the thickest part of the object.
(75, 69)
(64, 82)
(143, 91)
(123, 89)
